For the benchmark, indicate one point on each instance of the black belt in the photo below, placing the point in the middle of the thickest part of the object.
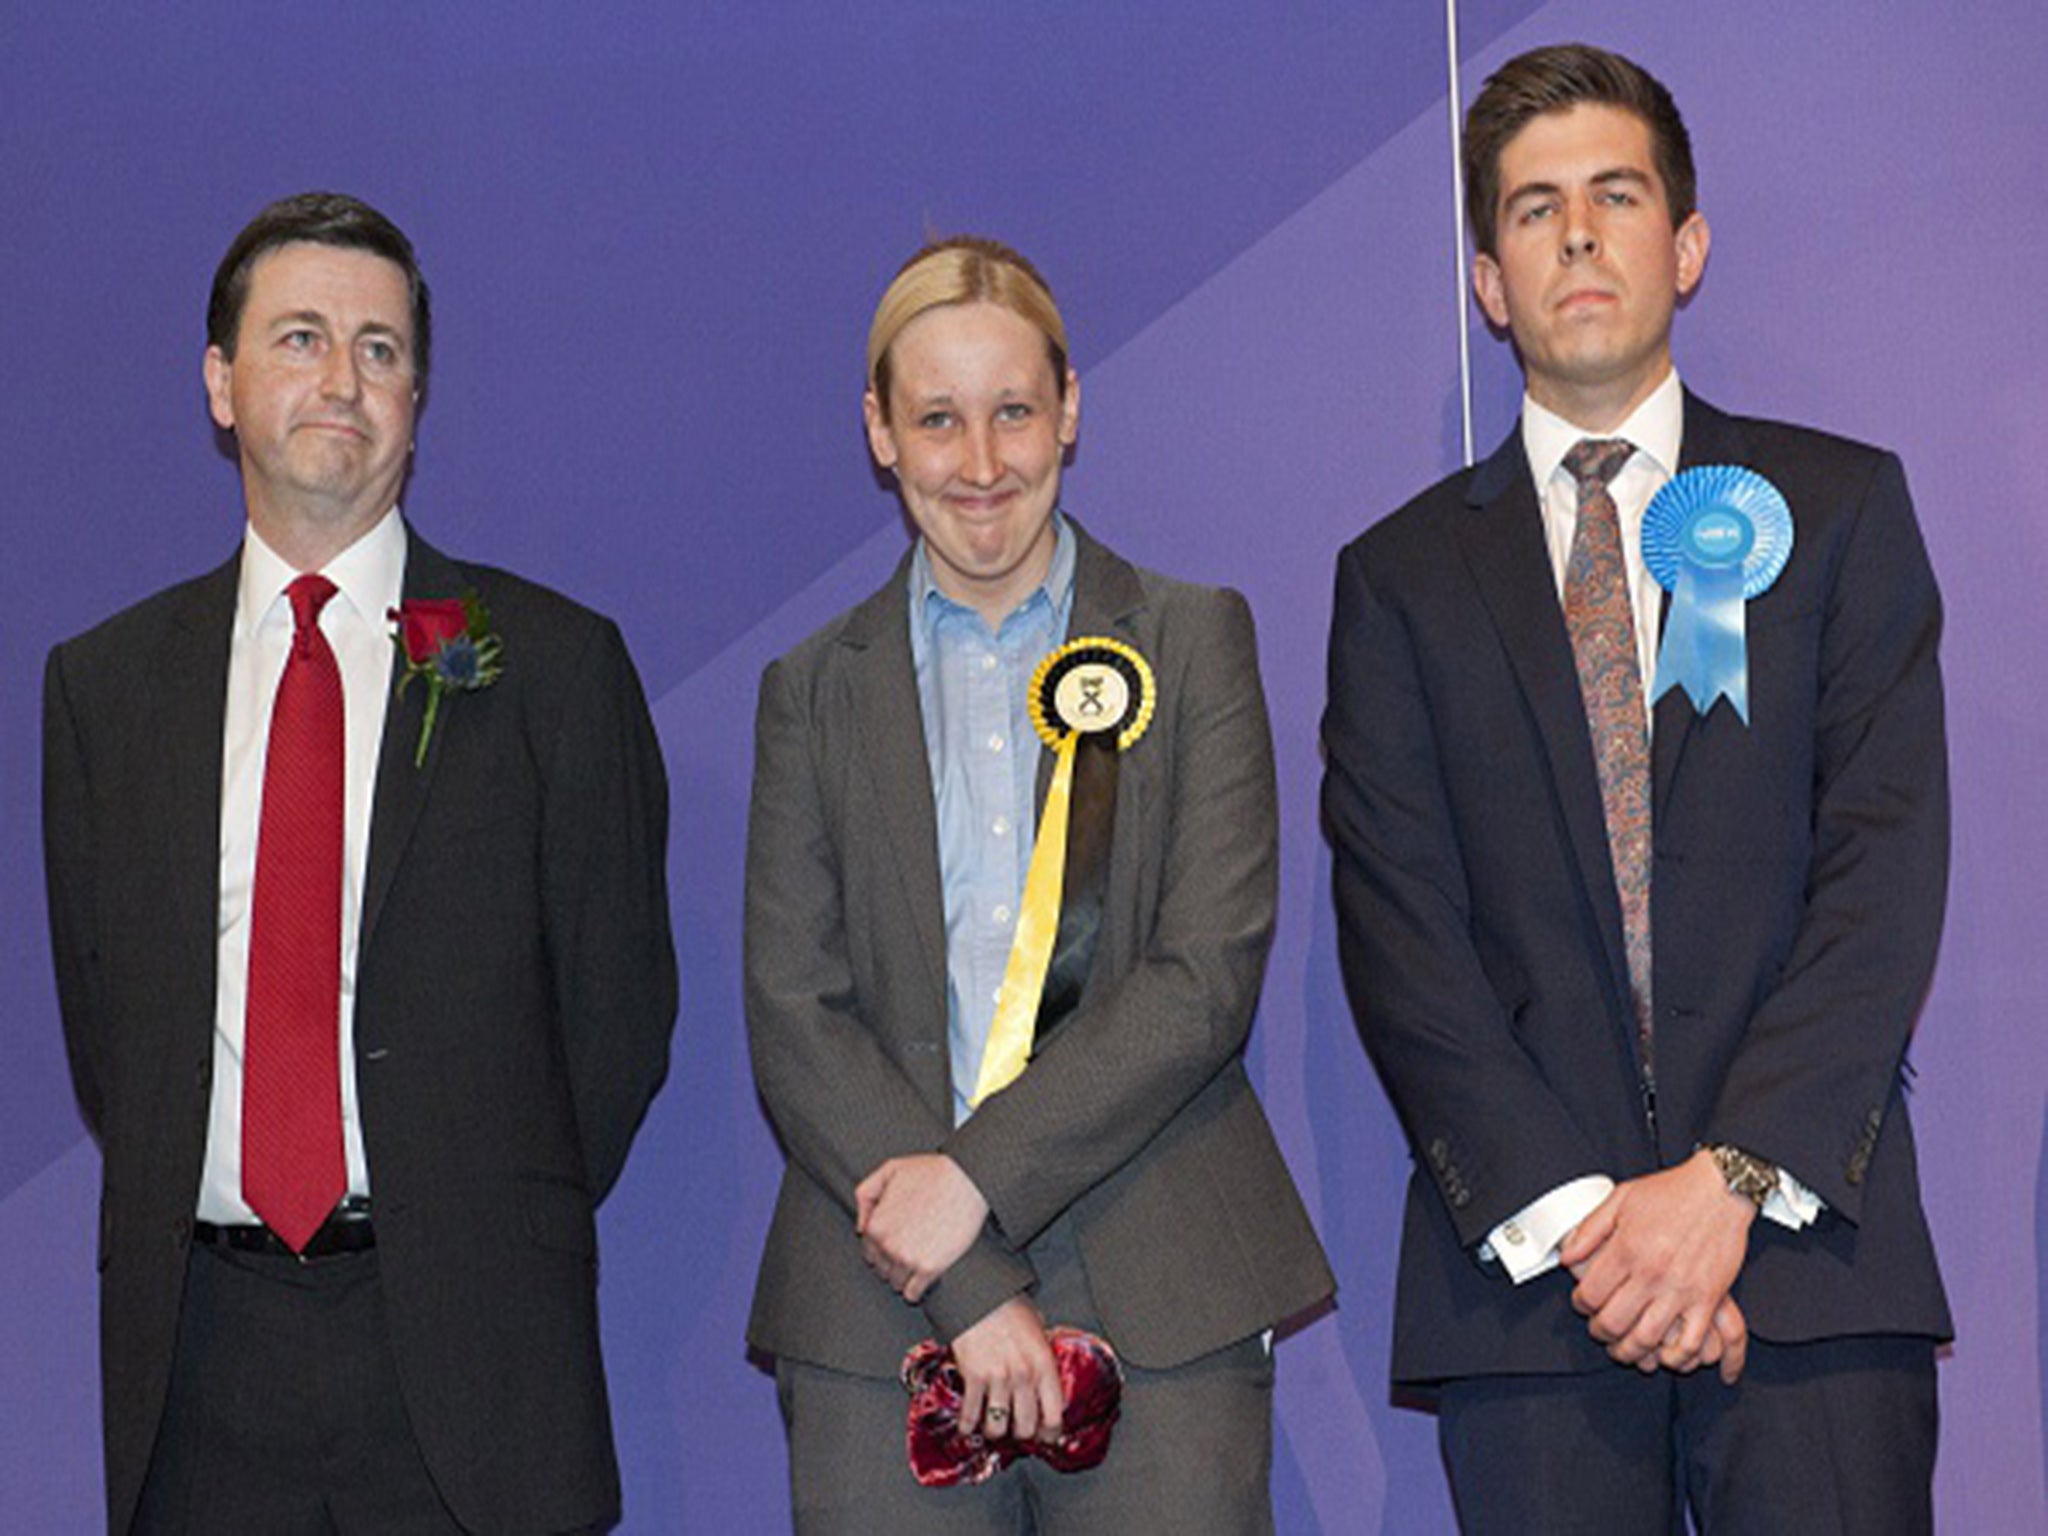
(348, 1229)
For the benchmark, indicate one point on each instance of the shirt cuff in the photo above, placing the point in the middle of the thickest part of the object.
(1526, 1244)
(1792, 1204)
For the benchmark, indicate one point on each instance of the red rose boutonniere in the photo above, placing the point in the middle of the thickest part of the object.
(449, 642)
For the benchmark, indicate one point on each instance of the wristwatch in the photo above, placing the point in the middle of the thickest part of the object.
(1747, 1175)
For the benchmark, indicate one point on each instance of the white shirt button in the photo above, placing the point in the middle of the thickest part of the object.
(995, 741)
(988, 663)
(1000, 826)
(1001, 914)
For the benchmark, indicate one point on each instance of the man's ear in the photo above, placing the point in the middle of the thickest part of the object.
(1691, 239)
(1489, 289)
(219, 373)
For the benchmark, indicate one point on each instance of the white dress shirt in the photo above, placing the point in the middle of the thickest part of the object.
(1526, 1243)
(369, 576)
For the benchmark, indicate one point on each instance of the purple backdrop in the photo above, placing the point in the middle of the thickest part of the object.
(655, 234)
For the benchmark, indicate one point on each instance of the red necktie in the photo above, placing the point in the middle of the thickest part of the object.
(1603, 630)
(292, 1169)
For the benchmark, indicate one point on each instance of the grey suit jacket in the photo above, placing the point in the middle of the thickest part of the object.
(515, 991)
(1136, 1119)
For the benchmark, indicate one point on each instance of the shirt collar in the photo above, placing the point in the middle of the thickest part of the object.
(928, 603)
(1655, 428)
(369, 575)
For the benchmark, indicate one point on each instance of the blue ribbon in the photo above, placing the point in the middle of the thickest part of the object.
(1714, 537)
(1706, 647)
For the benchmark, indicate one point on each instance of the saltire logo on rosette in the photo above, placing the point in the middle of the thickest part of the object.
(1090, 701)
(1714, 537)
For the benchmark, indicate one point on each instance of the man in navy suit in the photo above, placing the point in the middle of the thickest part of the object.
(365, 988)
(1640, 973)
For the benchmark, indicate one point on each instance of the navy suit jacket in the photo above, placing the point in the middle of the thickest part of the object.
(515, 992)
(1797, 892)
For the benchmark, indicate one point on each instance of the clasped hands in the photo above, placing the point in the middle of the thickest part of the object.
(1654, 1263)
(916, 1216)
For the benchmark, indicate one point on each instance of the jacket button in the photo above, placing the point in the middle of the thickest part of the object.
(1440, 1152)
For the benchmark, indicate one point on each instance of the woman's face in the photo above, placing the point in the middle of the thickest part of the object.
(975, 429)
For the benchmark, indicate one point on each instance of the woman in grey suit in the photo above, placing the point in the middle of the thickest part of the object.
(989, 1136)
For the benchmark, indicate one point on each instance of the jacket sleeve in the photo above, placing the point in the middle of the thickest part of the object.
(840, 1103)
(604, 858)
(1817, 1069)
(71, 869)
(1484, 1122)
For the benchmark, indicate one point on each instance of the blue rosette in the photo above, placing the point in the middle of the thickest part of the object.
(1714, 538)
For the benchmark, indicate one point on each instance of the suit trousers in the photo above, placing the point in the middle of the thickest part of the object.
(1834, 1438)
(1192, 1451)
(284, 1414)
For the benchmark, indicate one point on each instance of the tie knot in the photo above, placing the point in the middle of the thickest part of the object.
(308, 594)
(1594, 461)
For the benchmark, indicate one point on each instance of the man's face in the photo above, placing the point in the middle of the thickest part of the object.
(975, 431)
(1588, 269)
(321, 391)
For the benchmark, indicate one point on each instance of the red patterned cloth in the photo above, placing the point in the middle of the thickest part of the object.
(1603, 631)
(1091, 1378)
(293, 1170)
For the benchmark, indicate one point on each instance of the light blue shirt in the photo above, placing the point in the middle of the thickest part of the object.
(972, 690)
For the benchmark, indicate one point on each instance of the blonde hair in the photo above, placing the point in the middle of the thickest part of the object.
(964, 269)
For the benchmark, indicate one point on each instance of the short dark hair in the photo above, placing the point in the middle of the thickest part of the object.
(1557, 79)
(315, 218)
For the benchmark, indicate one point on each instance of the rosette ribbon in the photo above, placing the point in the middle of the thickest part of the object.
(1090, 701)
(1714, 537)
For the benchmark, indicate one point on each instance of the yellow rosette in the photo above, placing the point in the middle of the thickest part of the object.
(1089, 701)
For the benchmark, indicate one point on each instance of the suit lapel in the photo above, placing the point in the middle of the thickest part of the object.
(883, 680)
(1502, 539)
(402, 788)
(1107, 598)
(1710, 437)
(190, 689)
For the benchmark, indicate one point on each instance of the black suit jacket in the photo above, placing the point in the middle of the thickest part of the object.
(515, 994)
(1797, 892)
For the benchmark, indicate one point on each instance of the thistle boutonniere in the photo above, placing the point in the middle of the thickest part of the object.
(449, 642)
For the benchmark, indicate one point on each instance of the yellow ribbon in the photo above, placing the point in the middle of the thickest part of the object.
(1008, 1050)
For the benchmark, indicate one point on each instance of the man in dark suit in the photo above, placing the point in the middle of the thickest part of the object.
(1126, 1182)
(1639, 973)
(365, 988)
